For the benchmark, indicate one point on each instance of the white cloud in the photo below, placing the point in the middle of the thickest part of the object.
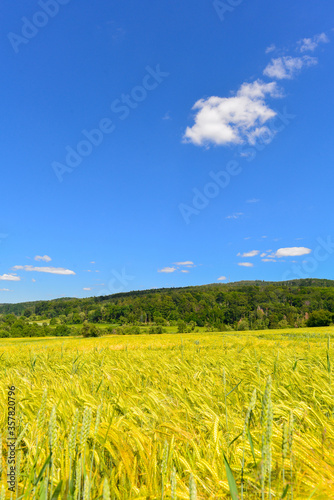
(245, 264)
(50, 270)
(263, 254)
(5, 290)
(252, 253)
(222, 278)
(234, 216)
(187, 263)
(247, 238)
(184, 271)
(10, 277)
(87, 289)
(253, 200)
(233, 120)
(167, 270)
(271, 48)
(264, 236)
(310, 44)
(269, 260)
(93, 262)
(33, 280)
(287, 66)
(292, 251)
(44, 258)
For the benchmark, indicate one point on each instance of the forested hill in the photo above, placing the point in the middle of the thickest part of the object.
(255, 304)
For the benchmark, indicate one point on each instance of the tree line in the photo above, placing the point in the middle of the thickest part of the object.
(236, 306)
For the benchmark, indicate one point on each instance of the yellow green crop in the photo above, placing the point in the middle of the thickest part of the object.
(194, 416)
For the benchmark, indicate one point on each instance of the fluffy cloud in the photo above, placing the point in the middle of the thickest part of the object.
(44, 258)
(10, 277)
(287, 66)
(50, 270)
(292, 251)
(252, 253)
(245, 264)
(233, 120)
(310, 44)
(167, 270)
(222, 278)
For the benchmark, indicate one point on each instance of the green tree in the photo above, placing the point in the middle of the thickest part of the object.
(90, 330)
(319, 318)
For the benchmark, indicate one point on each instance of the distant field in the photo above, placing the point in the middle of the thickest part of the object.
(163, 416)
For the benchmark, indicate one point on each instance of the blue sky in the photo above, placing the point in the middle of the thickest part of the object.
(156, 144)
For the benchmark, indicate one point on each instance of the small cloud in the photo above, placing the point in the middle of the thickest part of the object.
(310, 44)
(5, 290)
(187, 263)
(33, 280)
(247, 238)
(44, 258)
(263, 254)
(167, 270)
(92, 262)
(49, 270)
(245, 264)
(234, 216)
(253, 200)
(10, 277)
(292, 251)
(222, 278)
(269, 260)
(87, 289)
(184, 271)
(264, 236)
(167, 116)
(271, 48)
(288, 67)
(252, 253)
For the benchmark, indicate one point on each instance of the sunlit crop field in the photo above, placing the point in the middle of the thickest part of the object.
(209, 416)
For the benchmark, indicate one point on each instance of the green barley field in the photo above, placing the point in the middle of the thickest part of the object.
(247, 415)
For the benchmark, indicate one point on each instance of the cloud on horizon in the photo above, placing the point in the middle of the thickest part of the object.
(292, 251)
(50, 270)
(10, 277)
(167, 270)
(252, 253)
